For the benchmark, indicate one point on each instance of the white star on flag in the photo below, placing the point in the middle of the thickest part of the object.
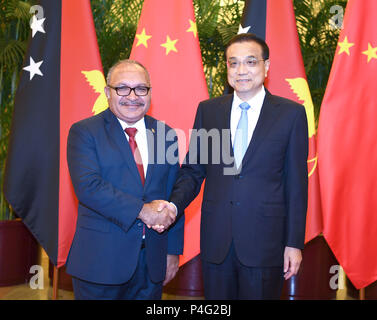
(36, 25)
(243, 30)
(33, 68)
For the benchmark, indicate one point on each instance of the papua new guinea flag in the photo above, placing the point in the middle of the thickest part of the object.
(61, 83)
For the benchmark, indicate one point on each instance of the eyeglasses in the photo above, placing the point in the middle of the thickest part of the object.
(126, 91)
(251, 63)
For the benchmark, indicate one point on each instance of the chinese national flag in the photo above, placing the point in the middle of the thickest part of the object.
(167, 44)
(274, 21)
(347, 146)
(61, 83)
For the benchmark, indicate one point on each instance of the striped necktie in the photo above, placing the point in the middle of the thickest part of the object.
(131, 132)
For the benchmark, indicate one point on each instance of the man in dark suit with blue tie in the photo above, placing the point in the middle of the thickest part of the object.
(117, 177)
(254, 208)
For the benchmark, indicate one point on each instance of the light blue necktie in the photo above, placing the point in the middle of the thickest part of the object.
(240, 138)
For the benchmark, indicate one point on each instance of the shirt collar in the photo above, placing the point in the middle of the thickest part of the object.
(139, 125)
(255, 102)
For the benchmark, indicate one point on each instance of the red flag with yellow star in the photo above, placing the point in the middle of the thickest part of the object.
(287, 78)
(347, 152)
(62, 82)
(167, 44)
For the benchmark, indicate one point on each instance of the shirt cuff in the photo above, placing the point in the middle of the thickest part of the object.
(176, 210)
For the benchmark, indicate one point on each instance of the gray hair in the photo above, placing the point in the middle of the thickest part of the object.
(126, 61)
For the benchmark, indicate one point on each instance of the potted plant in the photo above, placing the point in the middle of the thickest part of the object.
(18, 248)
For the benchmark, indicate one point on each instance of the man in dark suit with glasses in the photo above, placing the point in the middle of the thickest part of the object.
(254, 208)
(116, 254)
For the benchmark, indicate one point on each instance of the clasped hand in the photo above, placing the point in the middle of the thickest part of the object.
(158, 215)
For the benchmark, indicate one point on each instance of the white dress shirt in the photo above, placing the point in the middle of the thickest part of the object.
(253, 113)
(142, 144)
(140, 138)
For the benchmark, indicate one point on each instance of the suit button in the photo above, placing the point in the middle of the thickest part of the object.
(235, 203)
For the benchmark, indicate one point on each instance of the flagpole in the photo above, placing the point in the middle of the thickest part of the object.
(55, 284)
(362, 294)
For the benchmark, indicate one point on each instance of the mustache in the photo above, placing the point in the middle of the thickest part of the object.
(127, 102)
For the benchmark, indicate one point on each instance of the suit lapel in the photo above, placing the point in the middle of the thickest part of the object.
(264, 124)
(224, 120)
(226, 105)
(118, 136)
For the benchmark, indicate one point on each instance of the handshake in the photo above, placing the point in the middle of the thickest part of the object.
(158, 215)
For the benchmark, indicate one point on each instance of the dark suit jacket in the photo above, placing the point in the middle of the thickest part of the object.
(108, 237)
(263, 207)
